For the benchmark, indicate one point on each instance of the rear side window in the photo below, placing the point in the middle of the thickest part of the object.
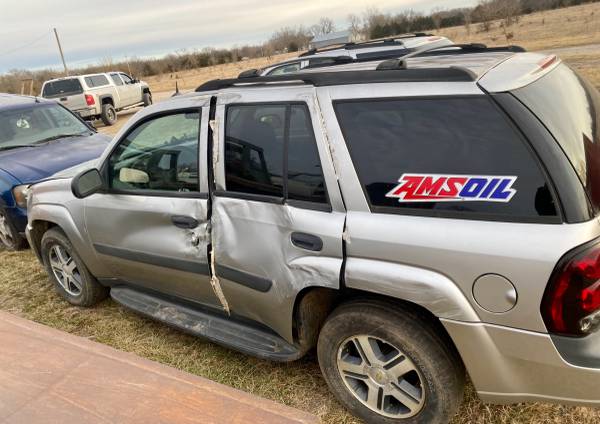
(569, 107)
(450, 157)
(96, 81)
(60, 88)
(270, 150)
(116, 79)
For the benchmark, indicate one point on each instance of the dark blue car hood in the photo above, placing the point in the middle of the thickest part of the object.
(30, 164)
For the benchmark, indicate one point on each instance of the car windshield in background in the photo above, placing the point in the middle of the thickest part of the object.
(66, 87)
(570, 108)
(28, 126)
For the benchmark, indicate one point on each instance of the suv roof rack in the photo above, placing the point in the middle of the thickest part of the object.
(362, 44)
(400, 63)
(324, 79)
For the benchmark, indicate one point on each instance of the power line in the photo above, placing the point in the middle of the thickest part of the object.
(31, 43)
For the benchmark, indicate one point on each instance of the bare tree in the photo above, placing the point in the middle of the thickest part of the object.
(468, 19)
(436, 17)
(355, 26)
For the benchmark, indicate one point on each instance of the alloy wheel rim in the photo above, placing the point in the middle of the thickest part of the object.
(65, 270)
(381, 376)
(5, 233)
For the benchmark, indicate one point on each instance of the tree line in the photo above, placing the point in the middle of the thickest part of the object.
(371, 24)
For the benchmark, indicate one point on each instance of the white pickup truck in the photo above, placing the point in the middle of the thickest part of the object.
(98, 96)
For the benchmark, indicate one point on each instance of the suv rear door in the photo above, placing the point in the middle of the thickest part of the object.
(277, 214)
(151, 225)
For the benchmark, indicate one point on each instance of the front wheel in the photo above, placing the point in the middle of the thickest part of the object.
(9, 236)
(390, 366)
(147, 99)
(71, 278)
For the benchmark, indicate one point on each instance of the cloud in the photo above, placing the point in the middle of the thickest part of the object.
(93, 30)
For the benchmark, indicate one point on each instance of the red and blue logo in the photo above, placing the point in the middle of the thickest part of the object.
(453, 188)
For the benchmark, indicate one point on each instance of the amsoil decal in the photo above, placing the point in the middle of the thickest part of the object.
(453, 188)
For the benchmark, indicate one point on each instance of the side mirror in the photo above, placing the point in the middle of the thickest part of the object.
(87, 183)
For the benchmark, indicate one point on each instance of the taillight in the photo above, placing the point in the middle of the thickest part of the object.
(89, 99)
(571, 304)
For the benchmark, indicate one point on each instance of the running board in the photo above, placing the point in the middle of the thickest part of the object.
(222, 330)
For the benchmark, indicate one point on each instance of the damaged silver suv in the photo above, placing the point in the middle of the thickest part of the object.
(413, 220)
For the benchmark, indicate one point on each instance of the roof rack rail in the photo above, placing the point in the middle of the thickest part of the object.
(432, 50)
(324, 79)
(354, 45)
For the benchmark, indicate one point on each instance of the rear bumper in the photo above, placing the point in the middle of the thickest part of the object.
(86, 113)
(508, 365)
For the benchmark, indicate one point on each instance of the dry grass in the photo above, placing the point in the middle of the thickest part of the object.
(25, 290)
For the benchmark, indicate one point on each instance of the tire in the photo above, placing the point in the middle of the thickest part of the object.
(109, 114)
(10, 238)
(422, 381)
(71, 278)
(147, 99)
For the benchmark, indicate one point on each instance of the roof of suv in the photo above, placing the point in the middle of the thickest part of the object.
(496, 69)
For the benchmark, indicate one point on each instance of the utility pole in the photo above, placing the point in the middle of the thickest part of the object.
(62, 56)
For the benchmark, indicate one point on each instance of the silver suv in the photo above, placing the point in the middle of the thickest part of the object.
(414, 220)
(99, 96)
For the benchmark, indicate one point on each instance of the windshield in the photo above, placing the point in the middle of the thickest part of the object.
(40, 122)
(569, 107)
(65, 87)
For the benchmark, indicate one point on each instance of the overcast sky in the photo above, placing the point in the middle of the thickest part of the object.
(93, 30)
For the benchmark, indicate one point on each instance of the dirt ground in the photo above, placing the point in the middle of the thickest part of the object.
(573, 33)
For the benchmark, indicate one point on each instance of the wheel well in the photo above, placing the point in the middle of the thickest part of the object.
(38, 229)
(108, 100)
(146, 90)
(314, 305)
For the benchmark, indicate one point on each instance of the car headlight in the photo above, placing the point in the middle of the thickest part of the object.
(20, 194)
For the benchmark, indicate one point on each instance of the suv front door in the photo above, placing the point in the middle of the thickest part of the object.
(150, 227)
(277, 214)
(132, 92)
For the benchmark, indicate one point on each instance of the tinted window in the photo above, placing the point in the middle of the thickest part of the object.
(282, 70)
(254, 139)
(66, 87)
(455, 156)
(126, 78)
(116, 79)
(305, 175)
(96, 81)
(34, 124)
(160, 154)
(570, 108)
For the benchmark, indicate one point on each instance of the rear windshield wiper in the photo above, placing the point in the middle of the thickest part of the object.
(17, 146)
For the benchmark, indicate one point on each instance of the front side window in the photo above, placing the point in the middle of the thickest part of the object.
(456, 157)
(270, 150)
(126, 78)
(159, 155)
(37, 124)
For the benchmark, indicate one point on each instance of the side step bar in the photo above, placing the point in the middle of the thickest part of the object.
(222, 330)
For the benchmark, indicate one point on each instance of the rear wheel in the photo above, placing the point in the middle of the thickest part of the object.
(9, 236)
(109, 114)
(147, 99)
(389, 366)
(70, 276)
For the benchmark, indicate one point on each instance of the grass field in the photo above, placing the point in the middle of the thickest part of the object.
(25, 290)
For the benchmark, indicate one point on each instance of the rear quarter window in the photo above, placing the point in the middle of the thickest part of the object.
(448, 157)
(96, 81)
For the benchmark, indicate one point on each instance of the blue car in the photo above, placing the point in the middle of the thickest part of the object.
(37, 139)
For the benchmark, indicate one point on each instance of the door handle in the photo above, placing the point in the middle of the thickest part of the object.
(185, 222)
(307, 241)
